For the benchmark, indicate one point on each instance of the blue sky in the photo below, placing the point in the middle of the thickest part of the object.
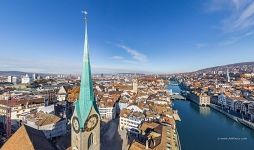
(164, 36)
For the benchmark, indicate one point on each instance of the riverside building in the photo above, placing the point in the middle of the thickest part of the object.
(201, 99)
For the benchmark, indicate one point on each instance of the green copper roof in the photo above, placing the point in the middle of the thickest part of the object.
(86, 96)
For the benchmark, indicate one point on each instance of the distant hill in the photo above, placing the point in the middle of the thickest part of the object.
(18, 73)
(13, 73)
(243, 66)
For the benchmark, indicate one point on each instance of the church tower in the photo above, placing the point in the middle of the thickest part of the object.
(228, 76)
(85, 122)
(135, 85)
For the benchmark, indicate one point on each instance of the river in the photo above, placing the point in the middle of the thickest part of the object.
(202, 128)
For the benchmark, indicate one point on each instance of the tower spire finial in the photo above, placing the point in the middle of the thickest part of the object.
(85, 14)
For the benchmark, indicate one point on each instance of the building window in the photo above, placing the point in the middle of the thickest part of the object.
(90, 140)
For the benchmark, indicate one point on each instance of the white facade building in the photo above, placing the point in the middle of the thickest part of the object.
(130, 123)
(26, 79)
(200, 98)
(9, 79)
(222, 100)
(107, 112)
(12, 79)
(62, 93)
(122, 105)
(130, 120)
(135, 108)
(35, 76)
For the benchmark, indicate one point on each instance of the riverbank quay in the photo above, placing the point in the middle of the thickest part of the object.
(177, 117)
(178, 140)
(215, 107)
(246, 123)
(235, 118)
(173, 88)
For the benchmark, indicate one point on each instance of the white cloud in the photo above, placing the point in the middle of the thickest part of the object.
(117, 57)
(246, 17)
(237, 3)
(241, 13)
(115, 69)
(219, 5)
(136, 55)
(200, 45)
(249, 33)
(122, 59)
(236, 39)
(130, 61)
(239, 21)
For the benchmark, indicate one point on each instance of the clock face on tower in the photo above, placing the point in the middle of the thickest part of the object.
(91, 122)
(75, 124)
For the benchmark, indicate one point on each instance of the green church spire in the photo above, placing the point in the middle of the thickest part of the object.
(86, 96)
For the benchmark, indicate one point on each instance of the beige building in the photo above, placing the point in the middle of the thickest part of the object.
(135, 85)
(201, 99)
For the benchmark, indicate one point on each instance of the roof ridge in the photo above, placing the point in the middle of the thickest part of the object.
(28, 136)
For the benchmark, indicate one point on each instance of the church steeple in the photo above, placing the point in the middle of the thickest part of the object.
(228, 76)
(85, 121)
(86, 95)
(86, 79)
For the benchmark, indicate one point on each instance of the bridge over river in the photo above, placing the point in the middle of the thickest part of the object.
(177, 96)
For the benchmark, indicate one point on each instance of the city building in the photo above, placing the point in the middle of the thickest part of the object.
(26, 79)
(134, 108)
(130, 120)
(107, 110)
(9, 79)
(19, 108)
(222, 100)
(155, 136)
(35, 76)
(123, 104)
(51, 125)
(135, 85)
(251, 111)
(201, 99)
(12, 79)
(62, 93)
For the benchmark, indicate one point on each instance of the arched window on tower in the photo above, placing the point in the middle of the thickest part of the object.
(90, 140)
